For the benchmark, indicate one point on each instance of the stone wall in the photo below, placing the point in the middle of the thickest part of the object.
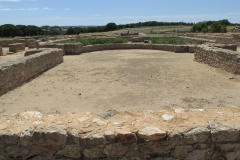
(16, 47)
(14, 73)
(219, 58)
(234, 39)
(1, 51)
(33, 136)
(76, 49)
(32, 43)
(6, 42)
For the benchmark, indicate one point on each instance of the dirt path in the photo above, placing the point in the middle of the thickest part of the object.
(132, 80)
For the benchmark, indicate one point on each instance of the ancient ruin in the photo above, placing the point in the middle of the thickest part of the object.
(166, 134)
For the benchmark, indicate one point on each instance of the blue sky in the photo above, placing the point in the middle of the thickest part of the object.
(100, 12)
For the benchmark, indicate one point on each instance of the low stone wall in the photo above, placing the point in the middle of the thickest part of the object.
(33, 136)
(53, 45)
(16, 47)
(32, 43)
(33, 51)
(76, 49)
(235, 39)
(1, 51)
(219, 58)
(73, 49)
(14, 73)
(6, 42)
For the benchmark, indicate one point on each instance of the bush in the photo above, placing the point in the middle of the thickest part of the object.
(111, 26)
(97, 41)
(168, 40)
(199, 27)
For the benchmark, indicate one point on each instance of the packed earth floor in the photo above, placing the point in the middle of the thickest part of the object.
(131, 80)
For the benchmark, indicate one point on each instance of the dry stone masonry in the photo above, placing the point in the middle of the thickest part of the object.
(16, 47)
(220, 58)
(14, 73)
(31, 135)
(1, 51)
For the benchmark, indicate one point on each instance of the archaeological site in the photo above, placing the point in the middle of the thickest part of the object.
(135, 100)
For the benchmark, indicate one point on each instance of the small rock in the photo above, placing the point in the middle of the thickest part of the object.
(178, 110)
(83, 119)
(167, 117)
(199, 110)
(151, 134)
(99, 122)
(126, 137)
(31, 114)
(110, 136)
(108, 114)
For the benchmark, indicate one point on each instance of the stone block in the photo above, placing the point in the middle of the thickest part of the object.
(32, 43)
(126, 137)
(73, 49)
(1, 51)
(151, 134)
(16, 47)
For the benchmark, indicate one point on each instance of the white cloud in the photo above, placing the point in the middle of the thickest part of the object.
(29, 9)
(10, 0)
(67, 9)
(6, 9)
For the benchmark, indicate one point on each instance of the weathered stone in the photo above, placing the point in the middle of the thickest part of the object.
(46, 150)
(182, 151)
(196, 154)
(39, 136)
(126, 137)
(16, 47)
(132, 150)
(73, 49)
(110, 136)
(223, 132)
(26, 137)
(56, 135)
(196, 135)
(233, 155)
(10, 138)
(229, 147)
(151, 134)
(167, 117)
(114, 150)
(32, 43)
(1, 51)
(73, 151)
(30, 115)
(16, 151)
(16, 72)
(94, 153)
(99, 122)
(94, 138)
(108, 114)
(73, 137)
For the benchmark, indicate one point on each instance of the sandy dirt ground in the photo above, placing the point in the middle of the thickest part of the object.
(10, 57)
(125, 80)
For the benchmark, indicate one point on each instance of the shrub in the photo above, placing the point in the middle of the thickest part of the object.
(111, 26)
(97, 41)
(168, 40)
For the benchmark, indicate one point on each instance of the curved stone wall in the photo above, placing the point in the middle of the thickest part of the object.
(33, 136)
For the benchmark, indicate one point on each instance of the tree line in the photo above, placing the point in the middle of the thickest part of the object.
(9, 30)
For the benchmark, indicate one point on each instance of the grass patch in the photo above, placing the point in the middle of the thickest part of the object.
(85, 41)
(169, 40)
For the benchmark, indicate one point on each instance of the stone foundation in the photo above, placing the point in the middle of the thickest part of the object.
(32, 136)
(219, 58)
(1, 51)
(16, 47)
(14, 73)
(32, 43)
(73, 49)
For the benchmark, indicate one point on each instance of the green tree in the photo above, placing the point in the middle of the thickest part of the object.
(111, 26)
(70, 31)
(217, 27)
